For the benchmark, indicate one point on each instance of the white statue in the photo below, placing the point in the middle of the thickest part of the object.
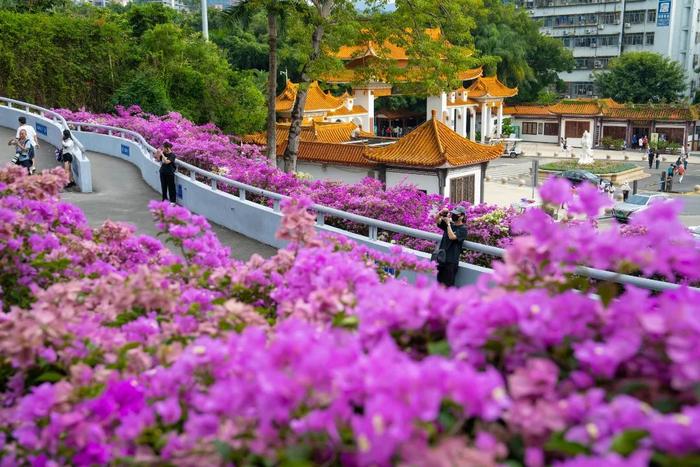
(586, 144)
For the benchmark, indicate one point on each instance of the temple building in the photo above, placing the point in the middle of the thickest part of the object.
(604, 118)
(433, 157)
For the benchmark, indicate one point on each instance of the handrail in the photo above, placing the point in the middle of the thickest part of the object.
(373, 224)
(42, 112)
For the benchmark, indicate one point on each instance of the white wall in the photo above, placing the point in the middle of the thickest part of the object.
(336, 173)
(518, 121)
(464, 171)
(424, 181)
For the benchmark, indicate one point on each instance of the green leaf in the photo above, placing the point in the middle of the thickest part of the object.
(439, 348)
(342, 320)
(50, 377)
(664, 460)
(558, 444)
(224, 449)
(607, 291)
(626, 442)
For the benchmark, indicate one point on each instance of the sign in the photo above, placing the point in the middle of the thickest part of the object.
(41, 129)
(663, 16)
(179, 191)
(125, 150)
(535, 169)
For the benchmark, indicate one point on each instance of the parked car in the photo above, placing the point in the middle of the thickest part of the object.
(635, 203)
(695, 230)
(578, 176)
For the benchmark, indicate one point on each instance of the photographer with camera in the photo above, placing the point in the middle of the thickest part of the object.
(450, 248)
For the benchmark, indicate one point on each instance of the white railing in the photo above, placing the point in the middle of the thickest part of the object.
(202, 193)
(49, 126)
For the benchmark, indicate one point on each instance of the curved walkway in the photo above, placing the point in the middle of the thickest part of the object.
(120, 194)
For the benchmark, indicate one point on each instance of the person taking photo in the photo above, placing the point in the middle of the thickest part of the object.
(454, 234)
(167, 171)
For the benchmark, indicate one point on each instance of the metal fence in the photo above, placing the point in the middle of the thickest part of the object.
(374, 226)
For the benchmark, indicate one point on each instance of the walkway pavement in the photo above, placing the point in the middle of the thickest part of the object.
(121, 195)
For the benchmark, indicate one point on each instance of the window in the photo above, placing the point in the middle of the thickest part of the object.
(608, 41)
(651, 16)
(633, 39)
(529, 128)
(582, 89)
(617, 132)
(462, 189)
(575, 129)
(551, 129)
(609, 18)
(635, 17)
(650, 38)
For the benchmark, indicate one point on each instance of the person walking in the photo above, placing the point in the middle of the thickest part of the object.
(31, 134)
(681, 172)
(650, 157)
(23, 150)
(684, 159)
(67, 149)
(625, 187)
(450, 248)
(167, 171)
(657, 159)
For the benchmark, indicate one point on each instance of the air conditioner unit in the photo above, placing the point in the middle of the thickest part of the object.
(590, 93)
(617, 21)
(593, 46)
(532, 12)
(597, 64)
(628, 25)
(589, 31)
(601, 27)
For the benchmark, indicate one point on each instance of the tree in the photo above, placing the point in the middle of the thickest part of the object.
(523, 56)
(275, 10)
(434, 63)
(642, 77)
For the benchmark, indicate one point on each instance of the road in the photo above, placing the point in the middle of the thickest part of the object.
(517, 171)
(120, 194)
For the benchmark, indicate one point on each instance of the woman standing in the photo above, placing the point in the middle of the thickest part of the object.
(167, 171)
(68, 147)
(23, 145)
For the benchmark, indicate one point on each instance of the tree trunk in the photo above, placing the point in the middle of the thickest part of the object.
(272, 88)
(292, 151)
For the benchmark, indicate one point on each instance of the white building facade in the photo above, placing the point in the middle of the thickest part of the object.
(598, 30)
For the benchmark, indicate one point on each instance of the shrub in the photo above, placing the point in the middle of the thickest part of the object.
(598, 167)
(121, 352)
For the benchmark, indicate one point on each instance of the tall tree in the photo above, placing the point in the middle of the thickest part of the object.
(433, 66)
(276, 11)
(642, 77)
(523, 56)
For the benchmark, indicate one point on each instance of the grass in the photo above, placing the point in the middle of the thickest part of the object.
(598, 167)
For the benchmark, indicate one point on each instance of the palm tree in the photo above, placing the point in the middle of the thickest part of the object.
(276, 11)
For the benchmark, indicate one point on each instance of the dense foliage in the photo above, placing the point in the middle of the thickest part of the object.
(206, 147)
(114, 350)
(97, 58)
(642, 77)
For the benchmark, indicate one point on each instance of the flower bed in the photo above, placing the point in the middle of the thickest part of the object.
(598, 167)
(205, 147)
(113, 350)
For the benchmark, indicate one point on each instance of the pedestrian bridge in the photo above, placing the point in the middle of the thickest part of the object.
(116, 177)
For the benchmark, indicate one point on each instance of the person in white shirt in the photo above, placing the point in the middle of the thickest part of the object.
(68, 148)
(31, 134)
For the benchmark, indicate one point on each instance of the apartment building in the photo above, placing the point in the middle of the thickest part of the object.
(598, 30)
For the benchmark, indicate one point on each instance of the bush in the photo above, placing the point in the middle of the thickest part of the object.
(598, 167)
(117, 351)
(147, 92)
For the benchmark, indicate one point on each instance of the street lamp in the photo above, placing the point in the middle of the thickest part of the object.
(205, 21)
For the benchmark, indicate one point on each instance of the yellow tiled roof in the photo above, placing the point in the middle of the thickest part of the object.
(330, 153)
(356, 110)
(576, 107)
(317, 131)
(528, 109)
(434, 144)
(490, 86)
(316, 98)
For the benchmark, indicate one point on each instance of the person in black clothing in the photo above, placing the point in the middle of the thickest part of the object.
(650, 156)
(455, 232)
(167, 171)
